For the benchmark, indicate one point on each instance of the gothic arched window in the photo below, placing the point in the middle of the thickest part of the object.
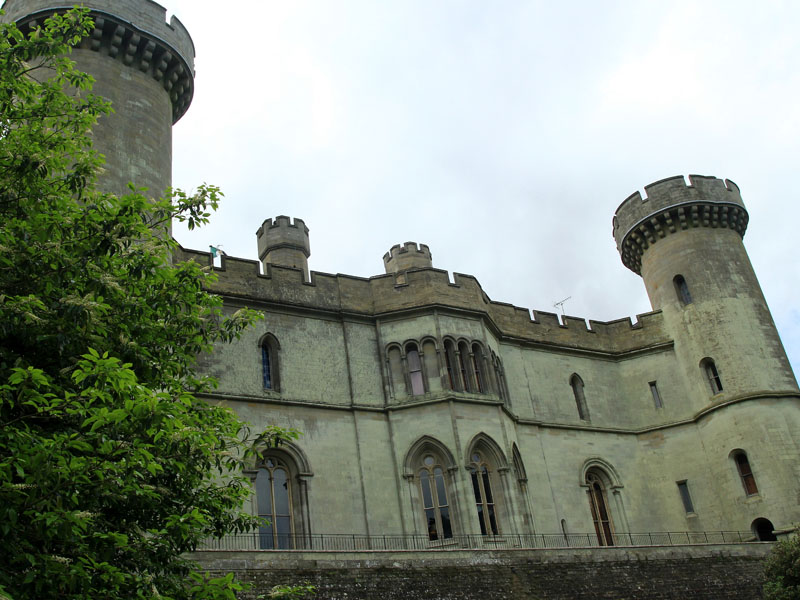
(274, 498)
(598, 501)
(477, 368)
(450, 363)
(435, 502)
(484, 498)
(464, 366)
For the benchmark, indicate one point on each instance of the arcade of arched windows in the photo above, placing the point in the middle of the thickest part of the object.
(418, 367)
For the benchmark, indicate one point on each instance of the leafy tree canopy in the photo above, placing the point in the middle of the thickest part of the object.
(110, 466)
(782, 571)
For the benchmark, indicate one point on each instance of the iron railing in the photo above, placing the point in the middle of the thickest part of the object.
(356, 542)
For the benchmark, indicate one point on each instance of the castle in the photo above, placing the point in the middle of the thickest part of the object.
(428, 409)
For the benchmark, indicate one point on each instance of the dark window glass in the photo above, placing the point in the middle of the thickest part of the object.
(712, 374)
(434, 500)
(273, 498)
(683, 487)
(266, 366)
(450, 361)
(656, 395)
(463, 357)
(484, 501)
(682, 289)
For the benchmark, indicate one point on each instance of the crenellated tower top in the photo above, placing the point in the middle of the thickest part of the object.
(409, 256)
(671, 205)
(284, 242)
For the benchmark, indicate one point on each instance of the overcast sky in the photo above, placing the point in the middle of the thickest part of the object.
(502, 134)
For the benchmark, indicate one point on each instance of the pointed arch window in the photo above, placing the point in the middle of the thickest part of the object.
(580, 399)
(484, 499)
(712, 375)
(270, 376)
(274, 498)
(435, 503)
(682, 290)
(598, 502)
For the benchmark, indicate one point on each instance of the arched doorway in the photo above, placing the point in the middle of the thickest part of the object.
(763, 530)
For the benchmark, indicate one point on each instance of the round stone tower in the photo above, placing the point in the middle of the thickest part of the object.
(284, 243)
(145, 67)
(686, 243)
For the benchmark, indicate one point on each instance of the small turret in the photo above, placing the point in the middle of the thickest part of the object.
(401, 259)
(284, 243)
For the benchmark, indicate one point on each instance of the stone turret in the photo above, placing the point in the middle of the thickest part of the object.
(145, 67)
(686, 243)
(401, 259)
(284, 243)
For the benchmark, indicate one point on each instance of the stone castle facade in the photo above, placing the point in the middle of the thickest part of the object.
(427, 408)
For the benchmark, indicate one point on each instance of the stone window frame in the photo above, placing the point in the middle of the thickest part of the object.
(682, 290)
(577, 385)
(612, 486)
(658, 401)
(745, 472)
(711, 373)
(686, 497)
(415, 467)
(270, 362)
(291, 458)
(488, 482)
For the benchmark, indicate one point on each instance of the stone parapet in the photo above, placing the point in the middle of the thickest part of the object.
(408, 256)
(671, 205)
(424, 289)
(134, 32)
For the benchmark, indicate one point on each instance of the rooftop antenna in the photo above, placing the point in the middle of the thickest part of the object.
(561, 304)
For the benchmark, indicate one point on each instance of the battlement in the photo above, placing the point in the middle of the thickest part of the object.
(135, 32)
(408, 256)
(285, 242)
(382, 296)
(671, 204)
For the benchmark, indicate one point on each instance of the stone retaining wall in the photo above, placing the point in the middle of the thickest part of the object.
(698, 572)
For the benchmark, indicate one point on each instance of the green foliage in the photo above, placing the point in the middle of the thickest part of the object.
(111, 467)
(288, 592)
(782, 571)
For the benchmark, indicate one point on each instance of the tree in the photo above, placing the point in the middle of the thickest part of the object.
(782, 571)
(111, 467)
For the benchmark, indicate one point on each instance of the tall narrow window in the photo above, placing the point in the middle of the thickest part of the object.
(415, 370)
(463, 361)
(434, 499)
(274, 497)
(682, 289)
(450, 363)
(686, 498)
(269, 363)
(580, 399)
(601, 516)
(656, 395)
(745, 473)
(500, 376)
(477, 368)
(712, 375)
(484, 500)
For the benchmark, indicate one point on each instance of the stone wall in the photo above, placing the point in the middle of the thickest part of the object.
(680, 572)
